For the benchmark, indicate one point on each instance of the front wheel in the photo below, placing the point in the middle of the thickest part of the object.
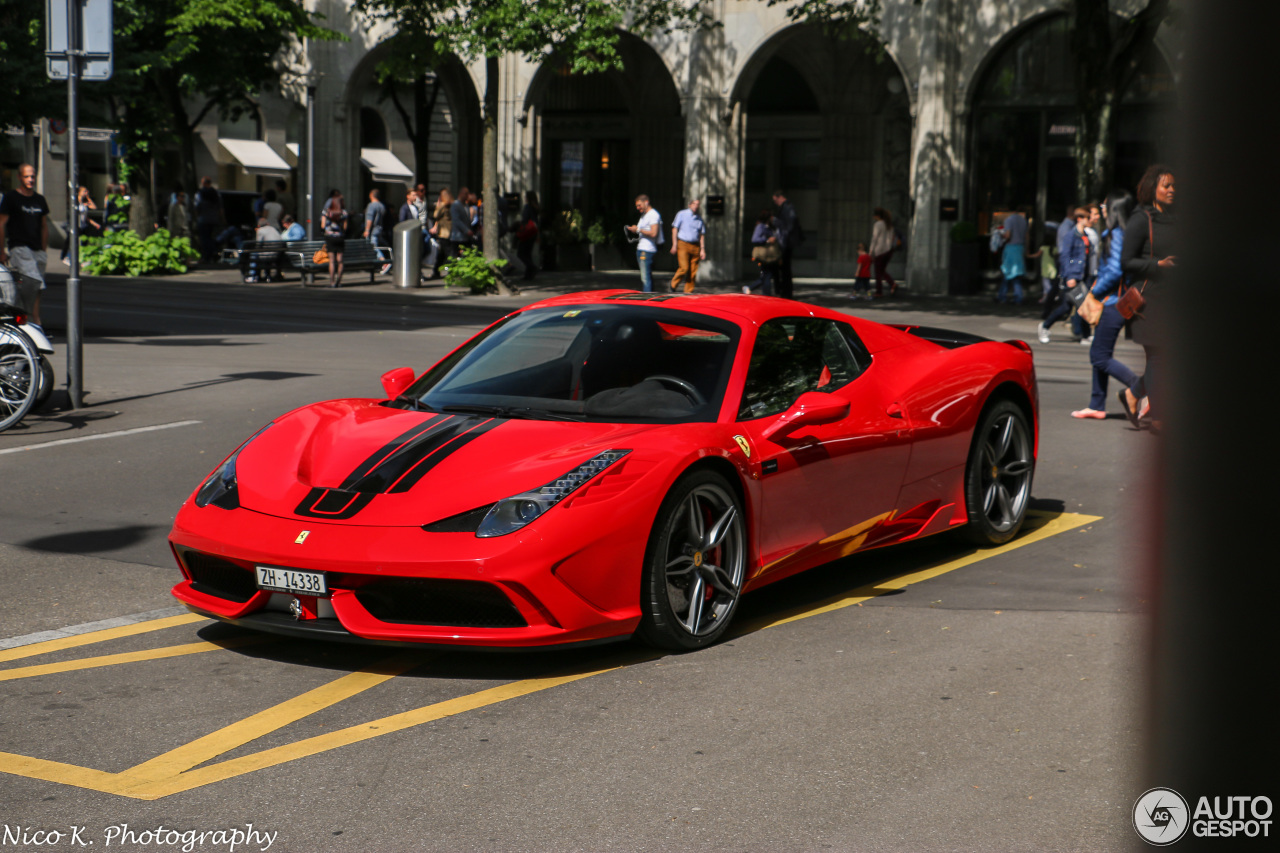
(695, 564)
(19, 375)
(998, 477)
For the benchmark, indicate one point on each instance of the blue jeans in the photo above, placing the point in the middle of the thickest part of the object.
(645, 260)
(1102, 357)
(1005, 283)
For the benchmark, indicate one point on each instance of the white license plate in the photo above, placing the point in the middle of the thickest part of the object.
(292, 580)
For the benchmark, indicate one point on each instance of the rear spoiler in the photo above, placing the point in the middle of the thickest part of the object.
(943, 337)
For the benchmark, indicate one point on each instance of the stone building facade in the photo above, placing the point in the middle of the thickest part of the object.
(966, 109)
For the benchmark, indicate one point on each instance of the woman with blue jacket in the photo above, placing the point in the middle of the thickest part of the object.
(1073, 268)
(1103, 296)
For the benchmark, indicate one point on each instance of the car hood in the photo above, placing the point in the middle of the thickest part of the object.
(364, 463)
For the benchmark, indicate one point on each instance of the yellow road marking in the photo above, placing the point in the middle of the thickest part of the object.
(173, 771)
(99, 636)
(1038, 526)
(128, 657)
(264, 722)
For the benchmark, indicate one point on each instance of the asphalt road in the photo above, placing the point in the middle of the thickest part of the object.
(920, 698)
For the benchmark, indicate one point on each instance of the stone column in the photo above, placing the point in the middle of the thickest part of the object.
(712, 153)
(936, 161)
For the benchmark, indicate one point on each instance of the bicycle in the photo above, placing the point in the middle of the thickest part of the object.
(20, 376)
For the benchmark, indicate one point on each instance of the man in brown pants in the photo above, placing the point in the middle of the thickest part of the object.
(688, 244)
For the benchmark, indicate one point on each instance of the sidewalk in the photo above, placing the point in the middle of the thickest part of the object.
(828, 292)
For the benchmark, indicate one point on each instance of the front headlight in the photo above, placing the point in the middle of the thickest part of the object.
(220, 488)
(511, 514)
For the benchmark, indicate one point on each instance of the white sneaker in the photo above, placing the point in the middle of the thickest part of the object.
(1042, 333)
(1084, 342)
(746, 289)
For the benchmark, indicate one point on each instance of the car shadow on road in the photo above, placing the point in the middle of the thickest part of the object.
(839, 583)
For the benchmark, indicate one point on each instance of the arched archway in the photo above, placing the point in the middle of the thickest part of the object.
(830, 125)
(1023, 123)
(438, 140)
(604, 138)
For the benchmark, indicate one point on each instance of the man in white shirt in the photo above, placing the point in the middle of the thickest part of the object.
(649, 229)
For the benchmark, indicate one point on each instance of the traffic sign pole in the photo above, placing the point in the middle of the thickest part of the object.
(75, 320)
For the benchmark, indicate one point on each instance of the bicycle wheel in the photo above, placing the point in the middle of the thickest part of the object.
(19, 375)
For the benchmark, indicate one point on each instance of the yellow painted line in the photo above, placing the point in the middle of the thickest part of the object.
(127, 657)
(1039, 526)
(100, 636)
(179, 760)
(172, 772)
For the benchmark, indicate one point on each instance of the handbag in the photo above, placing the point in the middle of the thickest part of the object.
(320, 257)
(1131, 302)
(769, 253)
(1077, 295)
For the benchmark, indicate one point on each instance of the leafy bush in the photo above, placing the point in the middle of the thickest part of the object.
(473, 271)
(125, 253)
(597, 234)
(566, 227)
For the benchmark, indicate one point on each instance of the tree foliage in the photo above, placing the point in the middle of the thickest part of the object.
(29, 94)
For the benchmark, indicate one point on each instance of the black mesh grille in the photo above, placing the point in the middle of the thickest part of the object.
(215, 576)
(429, 601)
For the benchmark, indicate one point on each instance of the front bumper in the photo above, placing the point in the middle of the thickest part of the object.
(550, 586)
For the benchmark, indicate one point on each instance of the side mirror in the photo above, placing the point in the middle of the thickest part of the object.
(812, 407)
(394, 382)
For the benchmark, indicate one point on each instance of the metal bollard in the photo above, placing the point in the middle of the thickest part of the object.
(406, 250)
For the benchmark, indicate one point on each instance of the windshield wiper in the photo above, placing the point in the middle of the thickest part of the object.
(514, 412)
(409, 401)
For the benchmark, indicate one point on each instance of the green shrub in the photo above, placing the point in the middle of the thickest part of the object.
(566, 227)
(125, 253)
(471, 270)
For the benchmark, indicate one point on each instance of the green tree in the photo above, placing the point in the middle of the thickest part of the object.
(582, 34)
(29, 94)
(170, 54)
(1110, 52)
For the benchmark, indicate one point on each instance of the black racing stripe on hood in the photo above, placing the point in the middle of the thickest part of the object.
(461, 437)
(389, 471)
(332, 504)
(395, 444)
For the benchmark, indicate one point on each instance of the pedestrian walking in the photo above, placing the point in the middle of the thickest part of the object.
(790, 236)
(688, 244)
(1013, 257)
(375, 214)
(208, 218)
(1100, 310)
(1074, 248)
(441, 225)
(408, 210)
(766, 251)
(461, 215)
(87, 227)
(862, 281)
(527, 233)
(333, 222)
(24, 233)
(1149, 261)
(649, 230)
(883, 239)
(285, 199)
(177, 216)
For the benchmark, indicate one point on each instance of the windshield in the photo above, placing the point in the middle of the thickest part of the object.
(599, 363)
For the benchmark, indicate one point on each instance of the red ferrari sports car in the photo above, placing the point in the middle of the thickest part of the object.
(605, 464)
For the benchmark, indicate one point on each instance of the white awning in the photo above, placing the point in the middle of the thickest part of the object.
(257, 158)
(293, 153)
(386, 166)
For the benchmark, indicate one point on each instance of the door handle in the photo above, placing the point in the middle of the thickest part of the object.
(894, 410)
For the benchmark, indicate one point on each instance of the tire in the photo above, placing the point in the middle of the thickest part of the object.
(697, 552)
(47, 382)
(19, 376)
(997, 484)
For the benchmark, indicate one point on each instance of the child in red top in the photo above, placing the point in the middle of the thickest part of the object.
(862, 284)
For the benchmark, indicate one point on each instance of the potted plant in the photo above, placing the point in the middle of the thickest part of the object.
(605, 238)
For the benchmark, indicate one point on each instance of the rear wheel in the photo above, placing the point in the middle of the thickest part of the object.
(998, 476)
(19, 375)
(695, 565)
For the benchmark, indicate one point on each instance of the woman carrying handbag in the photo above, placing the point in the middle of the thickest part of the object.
(1148, 261)
(1099, 309)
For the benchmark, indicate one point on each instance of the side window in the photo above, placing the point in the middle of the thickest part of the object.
(793, 355)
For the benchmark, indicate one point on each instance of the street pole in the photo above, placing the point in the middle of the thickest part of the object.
(75, 321)
(311, 157)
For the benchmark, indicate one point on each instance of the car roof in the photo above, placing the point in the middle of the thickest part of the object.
(735, 307)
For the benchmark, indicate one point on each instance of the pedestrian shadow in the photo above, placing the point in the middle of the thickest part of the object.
(259, 375)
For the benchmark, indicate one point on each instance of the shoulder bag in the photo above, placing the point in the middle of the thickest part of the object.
(1131, 301)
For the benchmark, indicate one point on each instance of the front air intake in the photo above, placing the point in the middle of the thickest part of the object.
(218, 577)
(432, 601)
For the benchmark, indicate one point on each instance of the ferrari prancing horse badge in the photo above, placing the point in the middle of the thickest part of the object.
(742, 442)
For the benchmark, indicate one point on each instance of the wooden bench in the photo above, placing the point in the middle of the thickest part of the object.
(358, 254)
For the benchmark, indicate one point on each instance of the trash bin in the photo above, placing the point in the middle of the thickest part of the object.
(406, 251)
